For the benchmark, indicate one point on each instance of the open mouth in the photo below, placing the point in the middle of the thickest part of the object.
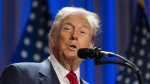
(72, 47)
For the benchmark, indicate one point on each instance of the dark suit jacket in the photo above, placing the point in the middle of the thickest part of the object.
(31, 73)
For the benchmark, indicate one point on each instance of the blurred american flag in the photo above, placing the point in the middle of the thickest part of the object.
(33, 44)
(138, 51)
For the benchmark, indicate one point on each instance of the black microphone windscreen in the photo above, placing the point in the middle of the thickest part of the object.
(84, 53)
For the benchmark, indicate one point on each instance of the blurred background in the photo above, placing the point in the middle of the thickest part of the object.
(24, 25)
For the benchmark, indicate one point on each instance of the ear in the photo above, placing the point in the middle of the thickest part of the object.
(52, 40)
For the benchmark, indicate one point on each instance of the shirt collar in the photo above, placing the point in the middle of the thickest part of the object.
(60, 70)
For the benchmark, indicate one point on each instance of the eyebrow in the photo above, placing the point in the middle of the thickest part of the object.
(69, 23)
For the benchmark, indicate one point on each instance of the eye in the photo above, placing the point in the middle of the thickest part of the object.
(82, 32)
(67, 28)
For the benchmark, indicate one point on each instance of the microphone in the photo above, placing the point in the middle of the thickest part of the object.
(89, 53)
(97, 54)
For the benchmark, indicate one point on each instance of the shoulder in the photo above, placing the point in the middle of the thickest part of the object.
(26, 66)
(19, 72)
(23, 67)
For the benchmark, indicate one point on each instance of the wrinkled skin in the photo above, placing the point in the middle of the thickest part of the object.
(73, 33)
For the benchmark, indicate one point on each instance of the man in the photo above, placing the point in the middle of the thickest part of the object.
(73, 28)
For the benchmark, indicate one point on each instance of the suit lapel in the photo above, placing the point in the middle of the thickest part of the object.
(47, 74)
(83, 81)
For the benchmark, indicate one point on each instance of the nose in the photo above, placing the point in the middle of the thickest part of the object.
(74, 35)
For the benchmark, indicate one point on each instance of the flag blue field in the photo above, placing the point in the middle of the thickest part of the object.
(33, 44)
(138, 51)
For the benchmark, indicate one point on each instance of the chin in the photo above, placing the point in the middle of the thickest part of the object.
(71, 57)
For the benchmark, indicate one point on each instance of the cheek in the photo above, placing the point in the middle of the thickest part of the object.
(63, 39)
(85, 42)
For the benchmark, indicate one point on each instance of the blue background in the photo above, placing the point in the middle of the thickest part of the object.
(117, 19)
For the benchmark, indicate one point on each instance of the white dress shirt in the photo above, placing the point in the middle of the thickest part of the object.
(61, 72)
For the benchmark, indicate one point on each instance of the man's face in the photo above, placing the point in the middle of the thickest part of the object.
(73, 33)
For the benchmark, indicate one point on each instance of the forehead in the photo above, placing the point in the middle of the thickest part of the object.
(76, 20)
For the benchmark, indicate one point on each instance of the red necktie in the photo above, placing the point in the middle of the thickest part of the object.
(72, 77)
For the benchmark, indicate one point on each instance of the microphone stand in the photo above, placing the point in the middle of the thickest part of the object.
(127, 63)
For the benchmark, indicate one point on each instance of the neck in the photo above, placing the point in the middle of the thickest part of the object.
(70, 65)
